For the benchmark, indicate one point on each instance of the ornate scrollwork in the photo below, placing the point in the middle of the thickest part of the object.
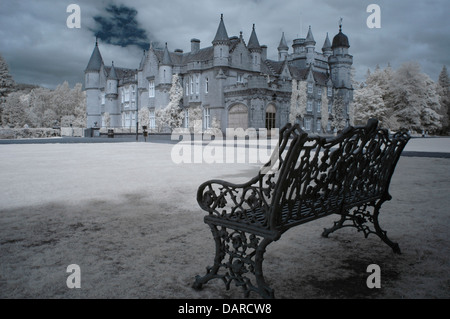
(239, 255)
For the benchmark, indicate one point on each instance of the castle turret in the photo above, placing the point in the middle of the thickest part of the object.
(165, 68)
(326, 49)
(111, 101)
(282, 49)
(340, 61)
(255, 51)
(310, 44)
(92, 86)
(221, 45)
(340, 66)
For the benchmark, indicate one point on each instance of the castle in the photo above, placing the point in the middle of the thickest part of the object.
(231, 84)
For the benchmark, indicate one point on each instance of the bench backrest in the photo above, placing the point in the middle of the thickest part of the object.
(319, 176)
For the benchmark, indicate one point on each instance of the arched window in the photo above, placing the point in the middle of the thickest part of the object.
(270, 117)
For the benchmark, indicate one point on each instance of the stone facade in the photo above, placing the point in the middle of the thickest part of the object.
(232, 82)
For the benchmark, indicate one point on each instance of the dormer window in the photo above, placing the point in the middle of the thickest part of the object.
(310, 87)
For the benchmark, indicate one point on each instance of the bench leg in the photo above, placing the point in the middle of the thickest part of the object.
(358, 218)
(239, 254)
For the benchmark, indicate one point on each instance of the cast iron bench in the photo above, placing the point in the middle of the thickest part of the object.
(308, 177)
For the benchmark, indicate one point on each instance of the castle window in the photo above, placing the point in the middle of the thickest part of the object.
(309, 106)
(319, 92)
(197, 84)
(133, 93)
(186, 88)
(122, 95)
(240, 78)
(310, 87)
(318, 124)
(307, 124)
(220, 52)
(186, 118)
(152, 119)
(151, 88)
(206, 85)
(192, 84)
(103, 98)
(329, 91)
(206, 118)
(319, 106)
(127, 95)
(330, 108)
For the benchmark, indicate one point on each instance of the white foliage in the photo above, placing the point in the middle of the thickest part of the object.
(172, 115)
(324, 111)
(298, 101)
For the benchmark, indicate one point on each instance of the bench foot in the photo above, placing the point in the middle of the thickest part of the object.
(238, 254)
(359, 219)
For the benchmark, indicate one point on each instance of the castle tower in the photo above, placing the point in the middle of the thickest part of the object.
(92, 85)
(165, 68)
(282, 49)
(340, 67)
(221, 45)
(326, 49)
(255, 50)
(111, 101)
(340, 61)
(310, 44)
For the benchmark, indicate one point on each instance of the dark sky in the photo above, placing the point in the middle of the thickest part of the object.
(40, 49)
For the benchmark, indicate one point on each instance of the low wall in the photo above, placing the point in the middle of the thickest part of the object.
(18, 133)
(72, 131)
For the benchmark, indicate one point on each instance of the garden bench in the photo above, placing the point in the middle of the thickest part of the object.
(308, 177)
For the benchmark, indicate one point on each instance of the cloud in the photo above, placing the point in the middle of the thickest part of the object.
(118, 26)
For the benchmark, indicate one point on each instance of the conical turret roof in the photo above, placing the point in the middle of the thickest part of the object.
(326, 44)
(112, 73)
(221, 34)
(166, 57)
(253, 43)
(309, 37)
(283, 44)
(96, 60)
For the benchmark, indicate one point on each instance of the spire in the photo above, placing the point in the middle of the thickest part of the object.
(112, 73)
(309, 37)
(283, 44)
(96, 60)
(141, 65)
(253, 43)
(166, 57)
(221, 34)
(326, 44)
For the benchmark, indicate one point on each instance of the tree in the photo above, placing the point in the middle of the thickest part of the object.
(402, 98)
(172, 115)
(443, 90)
(339, 118)
(368, 103)
(414, 99)
(324, 111)
(6, 84)
(298, 101)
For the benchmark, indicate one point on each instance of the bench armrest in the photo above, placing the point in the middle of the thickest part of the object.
(246, 202)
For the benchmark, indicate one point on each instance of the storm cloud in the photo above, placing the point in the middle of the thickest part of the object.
(40, 49)
(118, 26)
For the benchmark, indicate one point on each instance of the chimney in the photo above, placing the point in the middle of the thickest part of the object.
(195, 45)
(264, 52)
